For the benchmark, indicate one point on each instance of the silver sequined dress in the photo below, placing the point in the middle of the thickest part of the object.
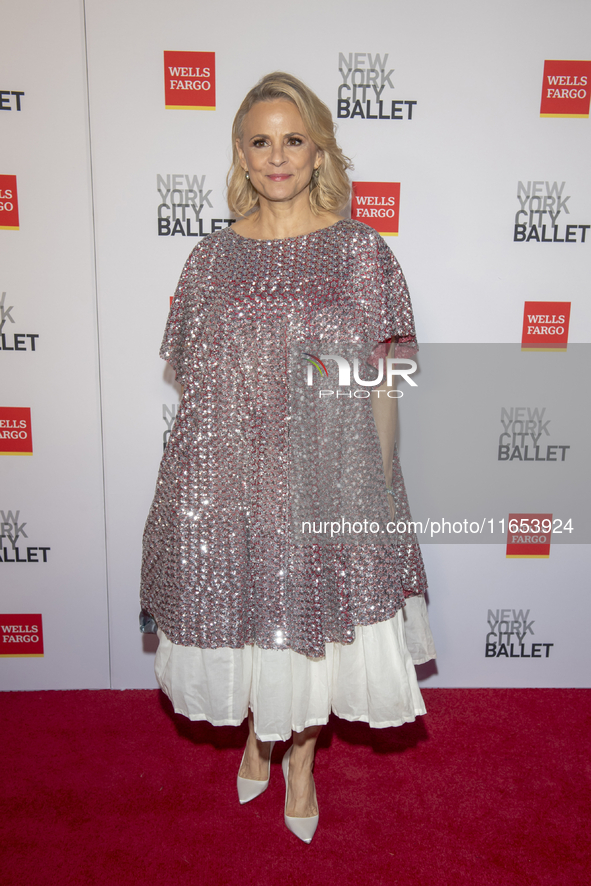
(221, 566)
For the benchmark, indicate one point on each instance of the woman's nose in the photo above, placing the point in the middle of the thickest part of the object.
(277, 156)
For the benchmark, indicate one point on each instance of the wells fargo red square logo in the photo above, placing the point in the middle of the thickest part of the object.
(528, 535)
(15, 431)
(21, 635)
(378, 205)
(8, 203)
(545, 326)
(189, 81)
(565, 89)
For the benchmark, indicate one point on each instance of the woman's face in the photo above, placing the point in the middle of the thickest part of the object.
(277, 151)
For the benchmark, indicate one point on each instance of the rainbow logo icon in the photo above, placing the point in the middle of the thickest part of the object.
(317, 362)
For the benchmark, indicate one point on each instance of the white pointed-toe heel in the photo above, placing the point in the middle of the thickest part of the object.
(304, 828)
(249, 788)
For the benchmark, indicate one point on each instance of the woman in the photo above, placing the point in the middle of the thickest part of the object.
(255, 618)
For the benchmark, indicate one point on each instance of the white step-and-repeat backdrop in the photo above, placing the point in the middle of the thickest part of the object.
(468, 125)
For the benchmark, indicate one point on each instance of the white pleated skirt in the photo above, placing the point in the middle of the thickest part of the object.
(372, 679)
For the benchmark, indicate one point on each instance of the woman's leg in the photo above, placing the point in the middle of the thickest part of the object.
(255, 764)
(301, 795)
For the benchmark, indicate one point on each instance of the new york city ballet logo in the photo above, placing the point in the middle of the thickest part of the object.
(9, 339)
(11, 100)
(186, 207)
(169, 417)
(510, 634)
(8, 203)
(189, 81)
(15, 544)
(378, 205)
(16, 437)
(394, 367)
(541, 216)
(545, 326)
(565, 89)
(21, 636)
(367, 90)
(525, 436)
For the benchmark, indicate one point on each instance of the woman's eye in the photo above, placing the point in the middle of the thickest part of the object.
(295, 141)
(259, 143)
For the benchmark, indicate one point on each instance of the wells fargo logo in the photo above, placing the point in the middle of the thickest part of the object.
(8, 203)
(545, 326)
(528, 535)
(189, 81)
(565, 89)
(21, 636)
(378, 205)
(15, 431)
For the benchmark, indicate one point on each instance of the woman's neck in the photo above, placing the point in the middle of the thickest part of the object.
(276, 221)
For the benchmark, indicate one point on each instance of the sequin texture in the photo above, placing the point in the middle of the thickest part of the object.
(221, 566)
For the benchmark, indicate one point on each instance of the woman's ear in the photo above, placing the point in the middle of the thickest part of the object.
(241, 155)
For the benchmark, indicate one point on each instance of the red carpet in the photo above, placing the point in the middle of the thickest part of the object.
(492, 787)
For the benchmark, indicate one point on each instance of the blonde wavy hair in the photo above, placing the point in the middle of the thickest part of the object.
(330, 189)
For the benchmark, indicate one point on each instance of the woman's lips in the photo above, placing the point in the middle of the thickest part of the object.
(278, 178)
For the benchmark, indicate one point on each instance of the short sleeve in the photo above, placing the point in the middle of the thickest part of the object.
(398, 320)
(182, 327)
